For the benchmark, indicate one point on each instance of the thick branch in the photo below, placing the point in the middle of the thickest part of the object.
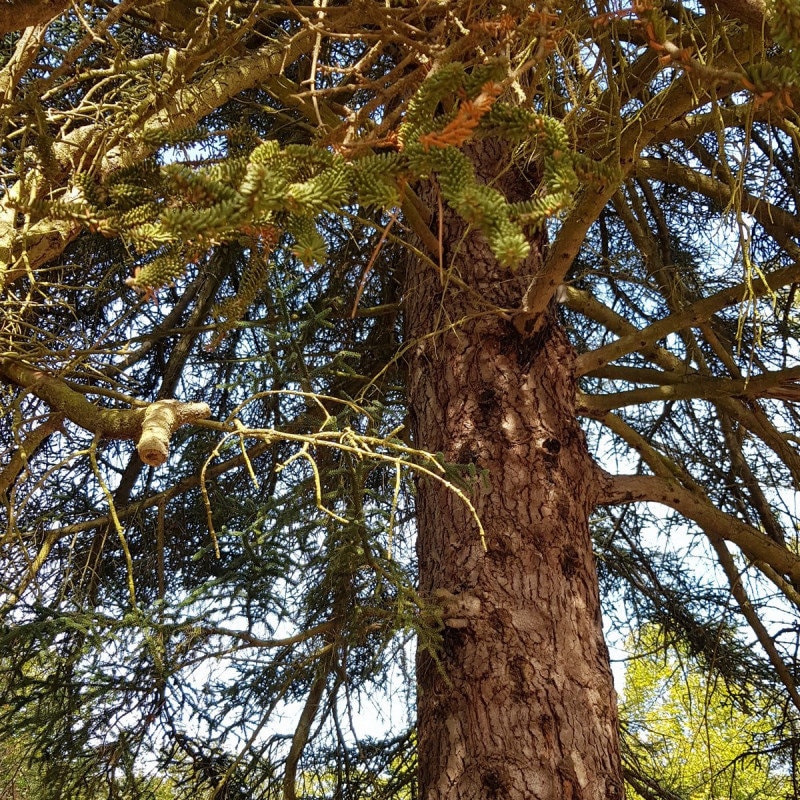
(150, 427)
(18, 14)
(751, 12)
(304, 724)
(77, 151)
(158, 423)
(25, 52)
(588, 305)
(640, 375)
(187, 106)
(718, 527)
(668, 491)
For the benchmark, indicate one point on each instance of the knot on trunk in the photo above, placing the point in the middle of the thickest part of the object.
(457, 610)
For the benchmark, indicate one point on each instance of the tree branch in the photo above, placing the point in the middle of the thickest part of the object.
(662, 111)
(150, 427)
(751, 416)
(749, 613)
(10, 472)
(751, 12)
(692, 316)
(15, 15)
(777, 222)
(132, 509)
(668, 491)
(25, 52)
(777, 385)
(81, 148)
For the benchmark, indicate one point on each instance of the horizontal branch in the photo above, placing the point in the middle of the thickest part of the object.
(750, 416)
(640, 375)
(250, 640)
(779, 385)
(150, 426)
(622, 489)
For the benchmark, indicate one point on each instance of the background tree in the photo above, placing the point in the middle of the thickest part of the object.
(697, 737)
(354, 276)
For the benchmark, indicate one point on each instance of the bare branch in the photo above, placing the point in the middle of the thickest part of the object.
(778, 385)
(667, 490)
(693, 316)
(764, 638)
(151, 427)
(663, 111)
(777, 222)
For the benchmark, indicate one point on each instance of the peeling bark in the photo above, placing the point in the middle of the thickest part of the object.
(524, 706)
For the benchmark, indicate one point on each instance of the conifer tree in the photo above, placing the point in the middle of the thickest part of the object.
(355, 356)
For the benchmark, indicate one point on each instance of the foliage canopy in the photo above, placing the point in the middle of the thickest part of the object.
(700, 738)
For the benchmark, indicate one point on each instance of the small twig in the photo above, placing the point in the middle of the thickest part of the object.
(115, 520)
(377, 249)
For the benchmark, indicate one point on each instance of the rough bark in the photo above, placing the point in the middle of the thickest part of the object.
(524, 705)
(18, 14)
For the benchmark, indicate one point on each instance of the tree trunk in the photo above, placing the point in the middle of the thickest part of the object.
(522, 704)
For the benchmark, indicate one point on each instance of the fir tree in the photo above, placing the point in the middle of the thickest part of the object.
(347, 352)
